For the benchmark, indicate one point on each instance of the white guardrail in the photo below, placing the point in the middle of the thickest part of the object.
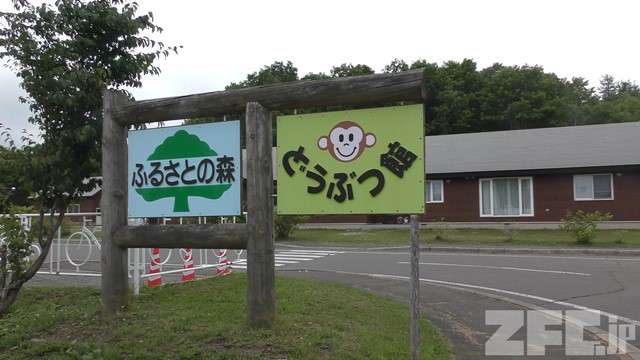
(79, 254)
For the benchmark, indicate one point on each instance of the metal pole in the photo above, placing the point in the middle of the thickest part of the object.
(414, 332)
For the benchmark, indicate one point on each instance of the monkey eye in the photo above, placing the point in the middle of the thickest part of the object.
(350, 137)
(341, 138)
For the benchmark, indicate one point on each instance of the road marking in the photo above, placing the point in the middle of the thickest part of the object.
(290, 257)
(434, 253)
(283, 261)
(611, 258)
(303, 256)
(514, 293)
(503, 268)
(316, 251)
(280, 257)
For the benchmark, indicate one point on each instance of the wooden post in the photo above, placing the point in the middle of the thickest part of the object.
(261, 294)
(115, 291)
(414, 332)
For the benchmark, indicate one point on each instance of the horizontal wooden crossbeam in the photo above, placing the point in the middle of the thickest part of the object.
(351, 90)
(200, 236)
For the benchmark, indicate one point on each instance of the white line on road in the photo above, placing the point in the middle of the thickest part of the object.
(433, 253)
(278, 257)
(279, 260)
(310, 256)
(514, 293)
(503, 268)
(317, 251)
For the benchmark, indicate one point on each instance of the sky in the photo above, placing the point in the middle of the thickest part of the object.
(223, 41)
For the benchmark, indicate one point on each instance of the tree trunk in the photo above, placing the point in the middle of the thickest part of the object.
(8, 297)
(9, 293)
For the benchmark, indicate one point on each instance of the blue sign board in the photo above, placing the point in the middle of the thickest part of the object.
(185, 171)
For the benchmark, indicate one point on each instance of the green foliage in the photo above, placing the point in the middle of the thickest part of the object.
(396, 66)
(278, 72)
(351, 70)
(462, 98)
(66, 54)
(619, 236)
(509, 232)
(285, 224)
(66, 228)
(17, 240)
(582, 225)
(10, 175)
(441, 230)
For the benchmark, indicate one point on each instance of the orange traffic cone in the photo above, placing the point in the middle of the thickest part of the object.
(188, 273)
(223, 266)
(155, 279)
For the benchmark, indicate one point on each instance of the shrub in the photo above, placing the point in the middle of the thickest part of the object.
(509, 231)
(582, 225)
(619, 236)
(15, 247)
(442, 230)
(65, 228)
(285, 224)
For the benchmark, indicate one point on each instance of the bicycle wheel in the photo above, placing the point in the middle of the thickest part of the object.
(82, 251)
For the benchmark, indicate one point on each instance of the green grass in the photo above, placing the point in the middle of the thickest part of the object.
(381, 237)
(207, 320)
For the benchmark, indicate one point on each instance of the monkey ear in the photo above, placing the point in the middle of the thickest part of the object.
(370, 139)
(322, 142)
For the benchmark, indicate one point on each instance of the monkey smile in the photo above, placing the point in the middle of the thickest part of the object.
(346, 141)
(349, 155)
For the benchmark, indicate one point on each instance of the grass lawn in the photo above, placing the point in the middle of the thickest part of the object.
(603, 239)
(206, 320)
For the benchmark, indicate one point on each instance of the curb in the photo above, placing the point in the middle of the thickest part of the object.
(530, 251)
(510, 250)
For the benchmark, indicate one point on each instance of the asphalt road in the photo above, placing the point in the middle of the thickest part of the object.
(457, 289)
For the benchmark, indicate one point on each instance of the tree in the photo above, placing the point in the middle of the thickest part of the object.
(66, 54)
(396, 66)
(624, 107)
(628, 87)
(580, 96)
(453, 108)
(316, 76)
(351, 70)
(523, 97)
(608, 88)
(278, 72)
(10, 173)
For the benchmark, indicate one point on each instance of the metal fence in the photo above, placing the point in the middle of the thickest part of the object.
(78, 254)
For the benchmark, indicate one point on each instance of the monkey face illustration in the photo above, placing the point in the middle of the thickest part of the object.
(346, 141)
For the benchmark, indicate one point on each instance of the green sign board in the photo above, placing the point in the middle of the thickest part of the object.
(352, 162)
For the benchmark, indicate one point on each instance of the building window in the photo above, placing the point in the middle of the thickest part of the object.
(434, 190)
(506, 197)
(73, 209)
(593, 187)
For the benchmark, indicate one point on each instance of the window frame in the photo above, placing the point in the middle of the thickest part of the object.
(71, 208)
(593, 198)
(429, 184)
(521, 203)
